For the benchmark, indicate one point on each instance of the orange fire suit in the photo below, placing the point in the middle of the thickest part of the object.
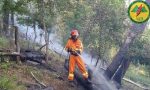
(75, 45)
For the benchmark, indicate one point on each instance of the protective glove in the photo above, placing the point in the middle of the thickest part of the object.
(76, 53)
(69, 50)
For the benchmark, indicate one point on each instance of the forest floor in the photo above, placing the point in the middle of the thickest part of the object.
(20, 75)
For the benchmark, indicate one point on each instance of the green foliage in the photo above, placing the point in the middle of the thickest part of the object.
(5, 65)
(139, 74)
(18, 6)
(107, 29)
(3, 42)
(25, 21)
(7, 83)
(139, 51)
(97, 23)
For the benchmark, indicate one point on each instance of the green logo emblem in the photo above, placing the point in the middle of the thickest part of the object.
(139, 11)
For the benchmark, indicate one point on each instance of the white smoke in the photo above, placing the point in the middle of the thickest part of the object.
(56, 45)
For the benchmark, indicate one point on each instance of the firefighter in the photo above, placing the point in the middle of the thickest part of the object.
(74, 47)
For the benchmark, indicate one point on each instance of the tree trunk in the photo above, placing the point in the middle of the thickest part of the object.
(12, 44)
(1, 26)
(97, 61)
(12, 18)
(45, 29)
(135, 30)
(119, 74)
(47, 42)
(17, 44)
(12, 32)
(41, 34)
(35, 34)
(5, 22)
(12, 23)
(27, 33)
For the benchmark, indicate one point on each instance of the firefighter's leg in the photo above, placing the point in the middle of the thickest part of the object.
(71, 68)
(81, 67)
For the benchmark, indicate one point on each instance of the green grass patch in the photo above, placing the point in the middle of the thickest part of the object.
(8, 83)
(5, 65)
(139, 74)
(3, 42)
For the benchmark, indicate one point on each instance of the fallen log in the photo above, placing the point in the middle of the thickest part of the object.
(32, 55)
(27, 55)
(24, 55)
(6, 50)
(10, 54)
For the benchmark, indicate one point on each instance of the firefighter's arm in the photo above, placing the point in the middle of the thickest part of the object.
(79, 47)
(67, 46)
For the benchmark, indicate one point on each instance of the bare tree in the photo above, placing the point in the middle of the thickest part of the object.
(17, 43)
(45, 30)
